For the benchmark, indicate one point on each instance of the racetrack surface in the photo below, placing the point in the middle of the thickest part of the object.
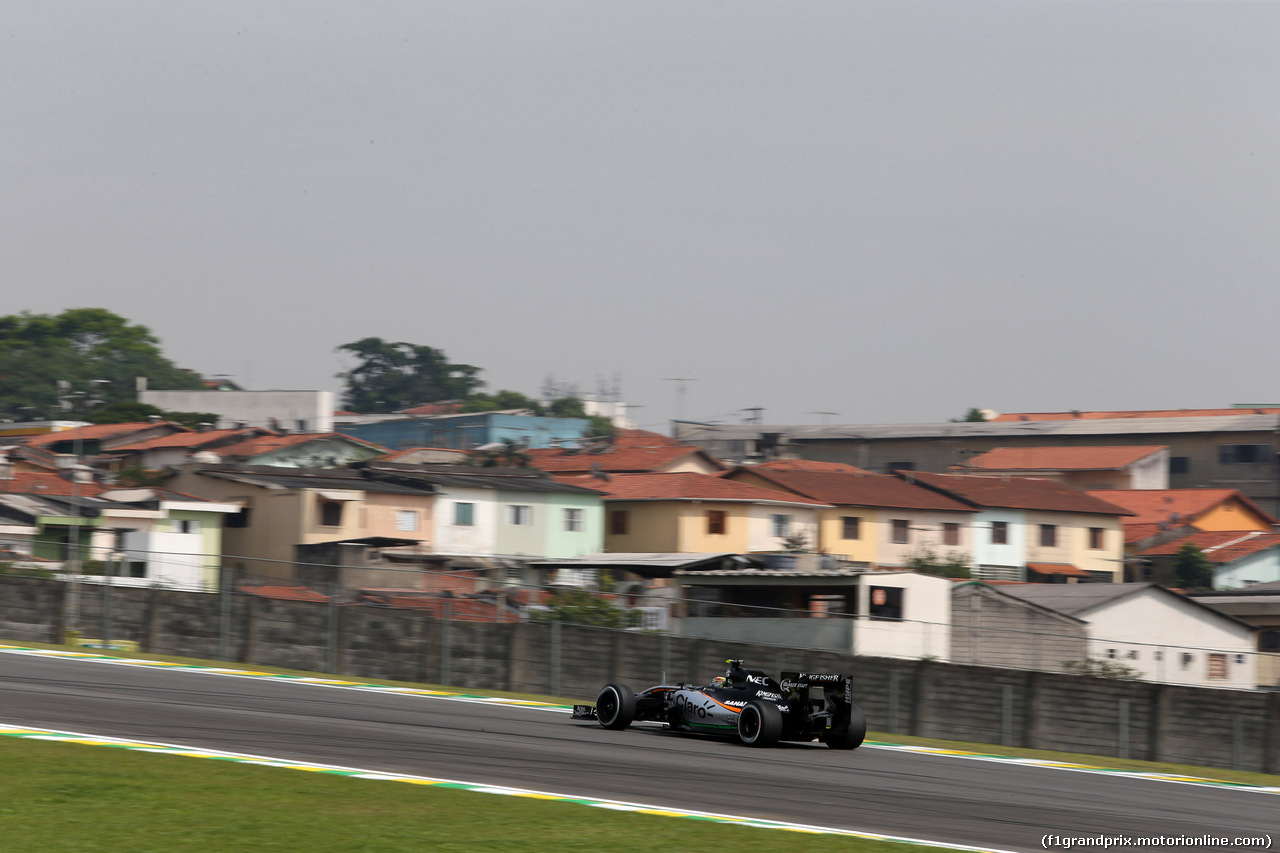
(938, 798)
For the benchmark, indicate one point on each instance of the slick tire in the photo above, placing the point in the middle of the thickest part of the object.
(851, 733)
(616, 706)
(759, 723)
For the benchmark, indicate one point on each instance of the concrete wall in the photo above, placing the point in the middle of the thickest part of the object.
(1213, 728)
(992, 629)
(302, 411)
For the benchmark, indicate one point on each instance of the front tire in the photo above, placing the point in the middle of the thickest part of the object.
(759, 723)
(851, 734)
(616, 706)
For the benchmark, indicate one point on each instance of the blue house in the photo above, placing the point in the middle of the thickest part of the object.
(465, 431)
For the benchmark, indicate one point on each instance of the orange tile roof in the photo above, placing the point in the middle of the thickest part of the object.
(189, 439)
(1153, 506)
(1220, 546)
(428, 409)
(1133, 413)
(267, 443)
(1057, 569)
(1016, 493)
(869, 490)
(632, 450)
(681, 486)
(285, 593)
(809, 465)
(1060, 458)
(98, 432)
(38, 483)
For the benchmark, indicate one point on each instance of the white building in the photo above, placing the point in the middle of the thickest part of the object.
(296, 411)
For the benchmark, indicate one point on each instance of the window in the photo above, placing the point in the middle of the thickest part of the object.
(1239, 658)
(331, 513)
(137, 569)
(1187, 658)
(1179, 465)
(950, 533)
(1096, 538)
(850, 527)
(901, 533)
(715, 522)
(1111, 653)
(464, 514)
(619, 522)
(239, 519)
(1244, 454)
(572, 520)
(406, 520)
(886, 602)
(1048, 536)
(1133, 654)
(1217, 663)
(999, 533)
(519, 514)
(186, 525)
(899, 466)
(1269, 641)
(782, 525)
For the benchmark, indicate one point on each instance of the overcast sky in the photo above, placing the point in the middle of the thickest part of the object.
(890, 211)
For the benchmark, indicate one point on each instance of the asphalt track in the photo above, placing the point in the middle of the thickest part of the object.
(943, 799)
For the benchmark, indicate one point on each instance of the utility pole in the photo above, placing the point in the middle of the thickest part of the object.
(680, 392)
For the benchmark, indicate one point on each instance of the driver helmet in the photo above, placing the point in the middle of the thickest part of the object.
(719, 681)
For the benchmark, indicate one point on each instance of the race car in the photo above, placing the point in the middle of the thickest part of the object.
(743, 703)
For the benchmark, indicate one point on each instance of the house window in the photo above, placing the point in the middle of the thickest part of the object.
(715, 522)
(886, 602)
(1096, 538)
(619, 522)
(950, 533)
(850, 527)
(1048, 536)
(1111, 653)
(406, 520)
(137, 569)
(519, 514)
(1187, 658)
(1217, 663)
(572, 520)
(1269, 641)
(782, 525)
(1179, 465)
(899, 466)
(999, 533)
(239, 519)
(186, 525)
(331, 514)
(901, 534)
(1244, 454)
(464, 514)
(1133, 654)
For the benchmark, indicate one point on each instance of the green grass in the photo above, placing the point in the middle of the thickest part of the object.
(72, 797)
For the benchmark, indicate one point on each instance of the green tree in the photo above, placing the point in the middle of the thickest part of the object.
(500, 400)
(395, 376)
(580, 607)
(130, 411)
(1192, 569)
(929, 561)
(974, 415)
(80, 346)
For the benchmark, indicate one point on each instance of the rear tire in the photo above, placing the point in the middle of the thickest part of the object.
(759, 723)
(850, 735)
(616, 706)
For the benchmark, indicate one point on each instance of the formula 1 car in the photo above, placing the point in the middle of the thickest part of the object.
(744, 703)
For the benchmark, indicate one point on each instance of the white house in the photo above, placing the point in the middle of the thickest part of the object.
(1165, 636)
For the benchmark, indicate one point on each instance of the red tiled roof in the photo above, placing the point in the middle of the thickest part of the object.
(1058, 569)
(681, 486)
(632, 450)
(98, 432)
(428, 409)
(1060, 458)
(870, 490)
(1153, 506)
(1220, 546)
(1015, 493)
(189, 439)
(1149, 413)
(39, 483)
(285, 593)
(267, 443)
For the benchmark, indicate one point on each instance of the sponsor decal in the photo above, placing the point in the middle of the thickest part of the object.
(757, 679)
(761, 694)
(819, 678)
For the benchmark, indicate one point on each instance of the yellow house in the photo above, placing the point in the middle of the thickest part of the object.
(1205, 509)
(698, 513)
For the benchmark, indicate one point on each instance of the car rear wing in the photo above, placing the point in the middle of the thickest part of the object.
(835, 687)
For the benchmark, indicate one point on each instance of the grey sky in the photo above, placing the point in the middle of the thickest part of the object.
(889, 210)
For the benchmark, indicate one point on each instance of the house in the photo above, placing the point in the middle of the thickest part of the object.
(630, 451)
(871, 519)
(990, 627)
(898, 614)
(1259, 606)
(1241, 558)
(416, 517)
(1084, 468)
(301, 411)
(1031, 529)
(94, 439)
(464, 431)
(1225, 448)
(173, 449)
(1160, 634)
(698, 513)
(296, 450)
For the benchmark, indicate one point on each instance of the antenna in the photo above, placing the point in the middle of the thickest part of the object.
(824, 415)
(680, 391)
(756, 415)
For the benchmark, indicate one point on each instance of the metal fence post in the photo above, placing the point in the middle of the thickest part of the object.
(224, 615)
(446, 642)
(555, 657)
(1006, 714)
(1122, 736)
(1237, 742)
(331, 632)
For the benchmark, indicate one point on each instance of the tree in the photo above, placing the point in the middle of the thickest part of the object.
(579, 607)
(128, 412)
(395, 376)
(509, 454)
(80, 346)
(974, 416)
(500, 400)
(929, 561)
(1192, 569)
